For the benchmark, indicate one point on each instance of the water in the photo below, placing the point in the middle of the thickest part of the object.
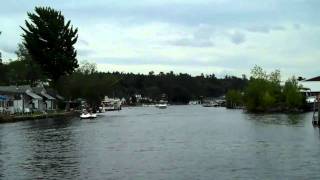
(181, 142)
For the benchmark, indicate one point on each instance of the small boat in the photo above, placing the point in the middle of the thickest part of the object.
(110, 104)
(210, 104)
(161, 106)
(88, 116)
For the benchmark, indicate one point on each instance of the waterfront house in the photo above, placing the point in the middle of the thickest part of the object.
(20, 99)
(3, 103)
(48, 101)
(312, 86)
(60, 100)
(311, 89)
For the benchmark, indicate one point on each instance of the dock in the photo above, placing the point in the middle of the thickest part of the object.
(26, 117)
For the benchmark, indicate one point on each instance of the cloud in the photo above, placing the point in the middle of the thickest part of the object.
(265, 29)
(200, 37)
(83, 42)
(8, 48)
(188, 36)
(85, 52)
(296, 26)
(191, 42)
(237, 38)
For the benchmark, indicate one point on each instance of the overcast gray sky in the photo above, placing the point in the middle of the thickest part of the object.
(195, 36)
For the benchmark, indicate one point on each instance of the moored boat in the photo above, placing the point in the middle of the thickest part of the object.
(86, 115)
(161, 106)
(210, 104)
(110, 104)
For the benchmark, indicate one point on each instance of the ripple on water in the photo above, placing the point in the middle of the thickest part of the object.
(180, 142)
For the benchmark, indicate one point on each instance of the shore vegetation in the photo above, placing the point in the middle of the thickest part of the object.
(265, 93)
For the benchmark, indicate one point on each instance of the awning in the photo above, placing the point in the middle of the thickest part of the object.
(33, 95)
(47, 96)
(3, 98)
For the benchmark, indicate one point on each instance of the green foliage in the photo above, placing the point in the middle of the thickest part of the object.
(90, 85)
(87, 68)
(292, 95)
(258, 73)
(268, 101)
(50, 41)
(32, 70)
(264, 92)
(22, 71)
(3, 77)
(234, 98)
(179, 88)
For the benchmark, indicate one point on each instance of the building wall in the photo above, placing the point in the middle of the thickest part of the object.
(3, 105)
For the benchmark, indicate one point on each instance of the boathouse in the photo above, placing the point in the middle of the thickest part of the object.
(311, 88)
(48, 101)
(19, 99)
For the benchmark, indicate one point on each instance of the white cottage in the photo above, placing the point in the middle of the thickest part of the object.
(311, 88)
(49, 102)
(20, 99)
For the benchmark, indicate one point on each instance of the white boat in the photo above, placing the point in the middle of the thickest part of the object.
(210, 104)
(88, 116)
(110, 104)
(162, 104)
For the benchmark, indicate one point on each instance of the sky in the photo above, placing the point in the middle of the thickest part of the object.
(224, 37)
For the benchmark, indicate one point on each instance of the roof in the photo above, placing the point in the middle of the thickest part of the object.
(15, 89)
(54, 94)
(43, 92)
(314, 79)
(47, 96)
(33, 95)
(314, 86)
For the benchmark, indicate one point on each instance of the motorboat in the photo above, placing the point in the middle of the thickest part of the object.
(210, 104)
(110, 104)
(162, 104)
(88, 116)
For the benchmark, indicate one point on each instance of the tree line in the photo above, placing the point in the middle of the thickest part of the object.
(88, 83)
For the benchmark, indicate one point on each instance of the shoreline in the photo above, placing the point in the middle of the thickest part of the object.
(27, 117)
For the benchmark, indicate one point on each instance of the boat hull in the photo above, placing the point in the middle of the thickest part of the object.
(88, 116)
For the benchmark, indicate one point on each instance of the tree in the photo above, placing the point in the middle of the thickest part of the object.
(33, 72)
(234, 98)
(50, 41)
(263, 91)
(87, 68)
(0, 53)
(258, 73)
(292, 95)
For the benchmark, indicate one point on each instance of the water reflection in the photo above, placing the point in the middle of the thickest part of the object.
(278, 119)
(1, 150)
(54, 151)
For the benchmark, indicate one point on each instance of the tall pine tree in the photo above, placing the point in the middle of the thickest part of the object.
(50, 42)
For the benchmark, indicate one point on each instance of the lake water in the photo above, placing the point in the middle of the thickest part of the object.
(180, 142)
